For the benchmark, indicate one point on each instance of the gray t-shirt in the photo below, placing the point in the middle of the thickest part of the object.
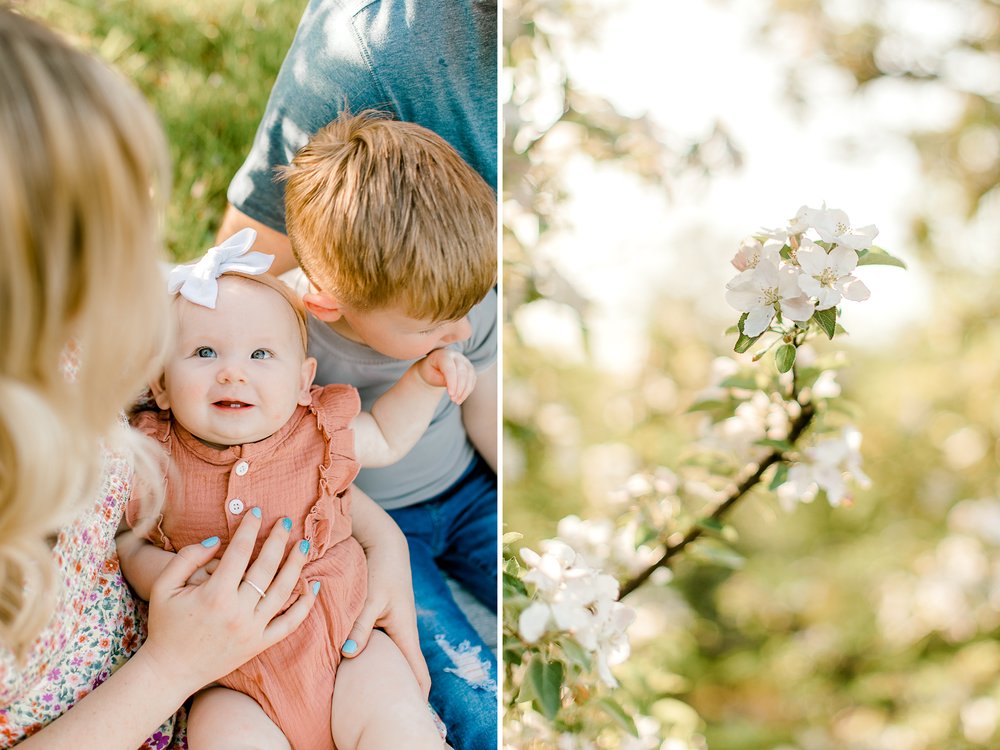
(443, 454)
(431, 62)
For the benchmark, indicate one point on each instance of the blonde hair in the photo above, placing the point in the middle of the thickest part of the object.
(383, 213)
(84, 179)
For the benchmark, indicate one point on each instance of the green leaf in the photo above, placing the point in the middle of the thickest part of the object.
(618, 714)
(545, 679)
(826, 320)
(784, 358)
(707, 405)
(779, 477)
(877, 256)
(717, 553)
(513, 585)
(732, 329)
(744, 342)
(717, 528)
(512, 536)
(744, 382)
(577, 654)
(785, 252)
(713, 525)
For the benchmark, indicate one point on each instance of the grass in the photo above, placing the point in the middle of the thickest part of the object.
(207, 67)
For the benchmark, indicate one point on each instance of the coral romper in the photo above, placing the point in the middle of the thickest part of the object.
(304, 471)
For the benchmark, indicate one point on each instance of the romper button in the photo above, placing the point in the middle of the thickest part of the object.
(242, 468)
(235, 506)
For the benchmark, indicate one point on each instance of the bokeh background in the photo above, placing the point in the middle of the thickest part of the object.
(207, 67)
(642, 141)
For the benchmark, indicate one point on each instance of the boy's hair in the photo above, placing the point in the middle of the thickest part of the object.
(383, 213)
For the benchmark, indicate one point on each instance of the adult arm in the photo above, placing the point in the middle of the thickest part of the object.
(479, 415)
(389, 605)
(268, 240)
(196, 635)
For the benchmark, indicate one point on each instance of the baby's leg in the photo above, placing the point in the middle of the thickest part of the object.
(223, 719)
(377, 702)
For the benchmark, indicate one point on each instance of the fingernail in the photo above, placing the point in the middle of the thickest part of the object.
(349, 646)
(304, 546)
(210, 542)
(256, 512)
(287, 523)
(315, 587)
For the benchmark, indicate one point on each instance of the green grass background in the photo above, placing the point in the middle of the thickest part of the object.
(207, 67)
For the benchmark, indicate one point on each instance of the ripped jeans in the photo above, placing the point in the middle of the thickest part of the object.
(456, 532)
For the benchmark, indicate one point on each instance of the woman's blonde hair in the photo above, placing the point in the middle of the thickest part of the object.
(84, 180)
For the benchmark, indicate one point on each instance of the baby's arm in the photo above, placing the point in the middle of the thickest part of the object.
(401, 415)
(141, 560)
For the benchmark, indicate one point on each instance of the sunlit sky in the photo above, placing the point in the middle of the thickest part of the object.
(689, 64)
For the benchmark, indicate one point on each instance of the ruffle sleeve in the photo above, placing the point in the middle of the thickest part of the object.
(328, 523)
(138, 513)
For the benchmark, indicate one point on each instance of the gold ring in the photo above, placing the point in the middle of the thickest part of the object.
(255, 587)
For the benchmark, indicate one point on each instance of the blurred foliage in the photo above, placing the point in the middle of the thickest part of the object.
(207, 69)
(869, 627)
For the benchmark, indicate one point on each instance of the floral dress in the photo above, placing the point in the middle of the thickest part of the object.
(98, 624)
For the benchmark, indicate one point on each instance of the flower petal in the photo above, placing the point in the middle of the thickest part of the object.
(797, 308)
(827, 298)
(758, 320)
(812, 258)
(742, 299)
(532, 621)
(843, 260)
(853, 289)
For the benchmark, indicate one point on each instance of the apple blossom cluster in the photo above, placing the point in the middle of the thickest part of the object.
(825, 466)
(798, 270)
(574, 598)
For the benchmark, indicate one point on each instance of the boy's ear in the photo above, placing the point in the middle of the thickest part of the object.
(159, 390)
(307, 375)
(323, 305)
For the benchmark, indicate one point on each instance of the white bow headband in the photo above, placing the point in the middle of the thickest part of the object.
(196, 281)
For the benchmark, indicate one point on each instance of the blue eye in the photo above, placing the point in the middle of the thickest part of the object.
(261, 354)
(205, 352)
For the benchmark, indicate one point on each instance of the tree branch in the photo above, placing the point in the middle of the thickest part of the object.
(797, 428)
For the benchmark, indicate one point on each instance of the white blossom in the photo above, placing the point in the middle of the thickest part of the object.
(762, 291)
(577, 599)
(826, 466)
(833, 226)
(752, 250)
(827, 276)
(600, 544)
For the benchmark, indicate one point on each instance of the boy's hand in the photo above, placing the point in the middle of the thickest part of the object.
(446, 368)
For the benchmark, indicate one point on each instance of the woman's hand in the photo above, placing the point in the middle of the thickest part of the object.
(389, 605)
(198, 633)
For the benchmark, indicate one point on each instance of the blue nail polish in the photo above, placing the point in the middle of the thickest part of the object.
(315, 587)
(304, 546)
(287, 523)
(349, 646)
(256, 512)
(210, 542)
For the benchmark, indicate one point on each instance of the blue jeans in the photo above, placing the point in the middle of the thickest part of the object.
(456, 532)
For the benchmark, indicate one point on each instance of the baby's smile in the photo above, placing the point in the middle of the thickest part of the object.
(232, 405)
